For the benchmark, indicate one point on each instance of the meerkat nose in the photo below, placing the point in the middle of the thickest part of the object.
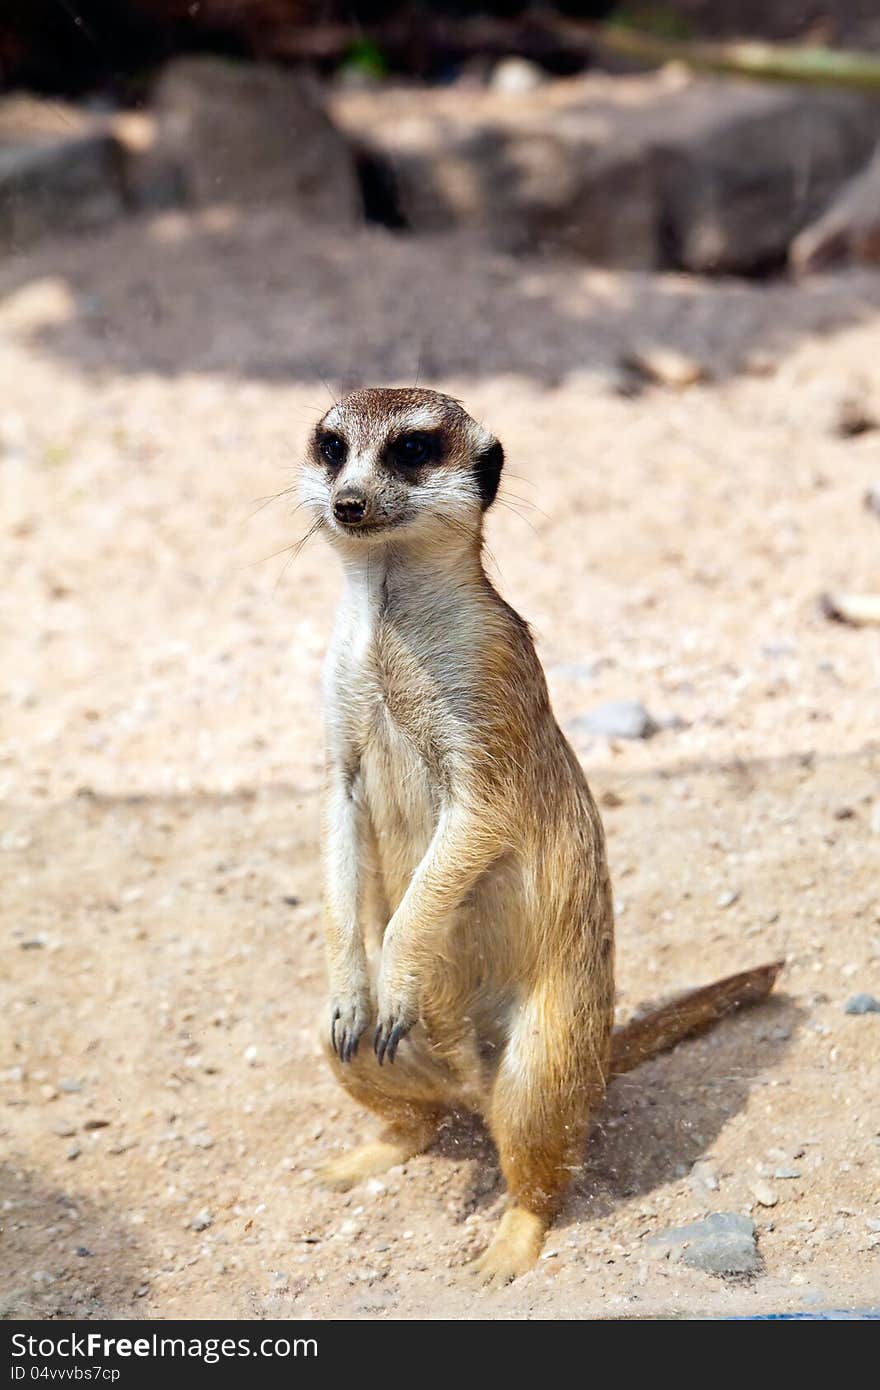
(350, 506)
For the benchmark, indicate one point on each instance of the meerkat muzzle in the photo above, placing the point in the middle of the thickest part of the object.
(350, 508)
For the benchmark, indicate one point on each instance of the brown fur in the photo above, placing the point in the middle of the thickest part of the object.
(469, 904)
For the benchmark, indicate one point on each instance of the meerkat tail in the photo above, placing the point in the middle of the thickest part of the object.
(659, 1029)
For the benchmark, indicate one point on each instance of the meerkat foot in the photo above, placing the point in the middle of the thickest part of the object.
(396, 1146)
(514, 1249)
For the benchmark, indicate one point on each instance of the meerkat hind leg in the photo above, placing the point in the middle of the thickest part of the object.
(539, 1117)
(410, 1094)
(514, 1248)
(405, 1137)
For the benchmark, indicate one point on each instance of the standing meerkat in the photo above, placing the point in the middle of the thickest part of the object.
(468, 901)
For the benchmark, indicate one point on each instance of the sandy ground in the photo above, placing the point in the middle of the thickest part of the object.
(163, 1098)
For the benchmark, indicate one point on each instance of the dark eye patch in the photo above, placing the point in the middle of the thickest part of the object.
(413, 449)
(332, 448)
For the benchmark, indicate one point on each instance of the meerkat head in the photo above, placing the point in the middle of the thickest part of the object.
(388, 464)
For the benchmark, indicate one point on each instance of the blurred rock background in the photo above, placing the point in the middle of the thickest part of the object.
(529, 128)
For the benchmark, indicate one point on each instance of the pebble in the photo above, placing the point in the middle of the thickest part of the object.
(728, 898)
(784, 1174)
(702, 1177)
(515, 76)
(201, 1221)
(764, 1193)
(862, 1004)
(665, 366)
(250, 1055)
(872, 499)
(722, 1244)
(73, 1152)
(852, 417)
(617, 719)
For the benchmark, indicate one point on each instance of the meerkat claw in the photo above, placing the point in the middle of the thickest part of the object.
(387, 1038)
(347, 1023)
(396, 1034)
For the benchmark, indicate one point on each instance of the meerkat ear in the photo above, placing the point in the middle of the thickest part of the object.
(487, 466)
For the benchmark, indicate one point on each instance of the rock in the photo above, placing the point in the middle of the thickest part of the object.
(848, 229)
(665, 366)
(857, 610)
(201, 1221)
(617, 719)
(722, 1244)
(786, 1174)
(59, 169)
(710, 175)
(151, 178)
(764, 1193)
(560, 172)
(251, 133)
(862, 1004)
(728, 898)
(703, 1178)
(516, 76)
(755, 170)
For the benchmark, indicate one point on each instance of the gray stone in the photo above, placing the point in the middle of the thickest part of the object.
(847, 230)
(764, 1193)
(750, 175)
(254, 133)
(60, 171)
(617, 719)
(637, 172)
(723, 1243)
(703, 1178)
(862, 1004)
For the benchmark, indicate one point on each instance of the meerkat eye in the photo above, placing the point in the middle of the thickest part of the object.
(333, 449)
(411, 449)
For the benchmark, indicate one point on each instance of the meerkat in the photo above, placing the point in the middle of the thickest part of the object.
(469, 920)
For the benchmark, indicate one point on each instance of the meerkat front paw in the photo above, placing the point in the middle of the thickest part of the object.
(398, 1013)
(348, 1018)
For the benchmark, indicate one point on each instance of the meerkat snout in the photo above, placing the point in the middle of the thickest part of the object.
(406, 460)
(350, 507)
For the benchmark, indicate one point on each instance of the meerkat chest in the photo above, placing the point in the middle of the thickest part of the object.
(395, 687)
